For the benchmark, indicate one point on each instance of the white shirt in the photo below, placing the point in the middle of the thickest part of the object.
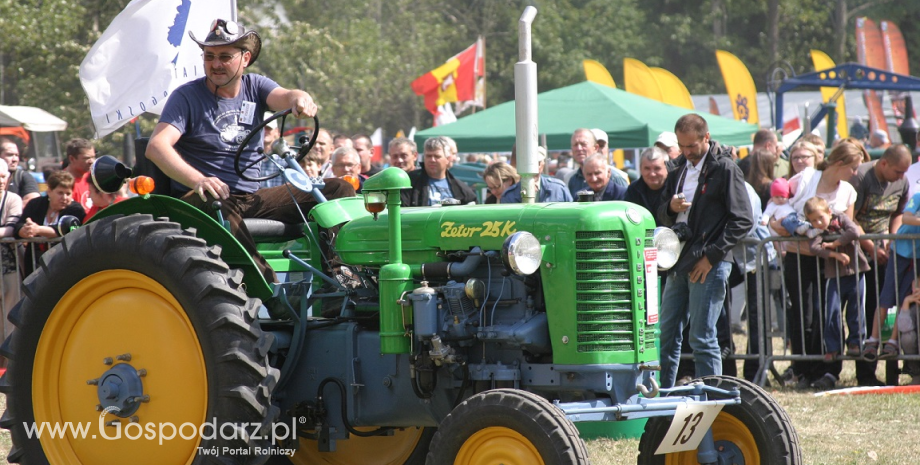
(691, 180)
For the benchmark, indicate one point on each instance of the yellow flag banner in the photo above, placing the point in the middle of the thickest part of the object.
(596, 72)
(740, 87)
(639, 79)
(673, 90)
(822, 61)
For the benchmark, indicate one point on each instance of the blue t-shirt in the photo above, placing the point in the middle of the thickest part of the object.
(213, 127)
(551, 190)
(438, 191)
(909, 247)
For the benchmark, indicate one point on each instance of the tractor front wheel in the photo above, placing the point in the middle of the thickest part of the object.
(510, 427)
(755, 431)
(138, 341)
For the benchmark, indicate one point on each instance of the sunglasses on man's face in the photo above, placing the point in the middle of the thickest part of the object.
(223, 57)
(230, 27)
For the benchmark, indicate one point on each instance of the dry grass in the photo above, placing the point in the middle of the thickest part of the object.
(838, 430)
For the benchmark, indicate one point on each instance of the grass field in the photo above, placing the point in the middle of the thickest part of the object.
(833, 430)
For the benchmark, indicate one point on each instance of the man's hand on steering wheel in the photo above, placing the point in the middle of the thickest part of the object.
(303, 106)
(308, 107)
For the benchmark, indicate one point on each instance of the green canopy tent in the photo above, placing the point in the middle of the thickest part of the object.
(631, 121)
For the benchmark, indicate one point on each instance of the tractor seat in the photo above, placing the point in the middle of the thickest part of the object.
(263, 230)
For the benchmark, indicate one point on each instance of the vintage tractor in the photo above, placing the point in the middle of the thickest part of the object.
(437, 335)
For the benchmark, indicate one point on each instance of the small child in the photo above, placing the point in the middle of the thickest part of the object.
(778, 207)
(907, 326)
(843, 267)
(311, 164)
(799, 225)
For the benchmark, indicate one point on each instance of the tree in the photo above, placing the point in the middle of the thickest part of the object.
(358, 57)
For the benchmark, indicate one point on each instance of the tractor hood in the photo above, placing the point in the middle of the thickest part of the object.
(428, 231)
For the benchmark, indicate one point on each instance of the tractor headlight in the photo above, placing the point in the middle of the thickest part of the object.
(521, 253)
(668, 246)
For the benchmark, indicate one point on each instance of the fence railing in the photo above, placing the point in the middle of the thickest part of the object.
(791, 301)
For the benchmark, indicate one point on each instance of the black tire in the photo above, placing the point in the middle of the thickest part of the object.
(758, 428)
(207, 300)
(477, 431)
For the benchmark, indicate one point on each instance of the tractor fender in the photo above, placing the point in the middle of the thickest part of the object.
(206, 227)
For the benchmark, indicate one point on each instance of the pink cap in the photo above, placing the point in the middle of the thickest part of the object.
(779, 188)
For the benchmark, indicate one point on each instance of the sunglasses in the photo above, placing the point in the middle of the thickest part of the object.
(230, 27)
(223, 57)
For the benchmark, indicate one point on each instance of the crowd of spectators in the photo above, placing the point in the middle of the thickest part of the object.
(836, 287)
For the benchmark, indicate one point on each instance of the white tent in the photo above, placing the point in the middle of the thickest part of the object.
(31, 118)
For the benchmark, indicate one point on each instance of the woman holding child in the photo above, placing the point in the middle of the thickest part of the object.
(802, 267)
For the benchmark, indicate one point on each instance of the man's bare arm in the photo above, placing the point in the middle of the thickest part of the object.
(297, 100)
(161, 152)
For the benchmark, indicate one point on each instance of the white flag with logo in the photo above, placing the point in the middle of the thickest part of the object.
(143, 56)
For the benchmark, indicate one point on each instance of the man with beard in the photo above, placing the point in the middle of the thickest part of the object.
(205, 120)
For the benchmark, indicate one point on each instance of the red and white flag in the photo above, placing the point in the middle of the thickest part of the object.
(377, 143)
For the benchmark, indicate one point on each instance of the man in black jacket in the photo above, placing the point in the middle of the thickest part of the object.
(433, 184)
(706, 191)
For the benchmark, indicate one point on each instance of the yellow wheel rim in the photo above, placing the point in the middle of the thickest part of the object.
(497, 444)
(726, 428)
(376, 450)
(104, 315)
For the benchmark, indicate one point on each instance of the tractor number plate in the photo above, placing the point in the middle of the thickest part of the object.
(690, 424)
(651, 286)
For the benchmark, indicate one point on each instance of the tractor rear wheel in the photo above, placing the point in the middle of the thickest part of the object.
(756, 431)
(137, 330)
(510, 427)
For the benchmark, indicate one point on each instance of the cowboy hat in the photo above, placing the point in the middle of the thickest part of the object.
(225, 32)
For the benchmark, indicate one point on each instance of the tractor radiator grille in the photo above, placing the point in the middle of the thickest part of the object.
(603, 292)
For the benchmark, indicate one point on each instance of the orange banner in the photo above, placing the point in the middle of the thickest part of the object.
(870, 52)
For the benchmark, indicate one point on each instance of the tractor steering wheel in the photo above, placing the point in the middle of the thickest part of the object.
(302, 150)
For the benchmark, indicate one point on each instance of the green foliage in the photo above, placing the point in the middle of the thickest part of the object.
(358, 57)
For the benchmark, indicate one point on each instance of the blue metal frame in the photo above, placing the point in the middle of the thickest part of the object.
(848, 76)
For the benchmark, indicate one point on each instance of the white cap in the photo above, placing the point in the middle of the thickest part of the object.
(667, 139)
(273, 124)
(600, 135)
(881, 135)
(541, 154)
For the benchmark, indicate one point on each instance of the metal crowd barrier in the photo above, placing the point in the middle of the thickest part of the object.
(11, 282)
(776, 314)
(767, 275)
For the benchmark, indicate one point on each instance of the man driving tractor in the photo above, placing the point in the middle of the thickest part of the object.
(205, 121)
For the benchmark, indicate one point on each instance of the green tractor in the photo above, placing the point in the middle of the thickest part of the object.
(439, 335)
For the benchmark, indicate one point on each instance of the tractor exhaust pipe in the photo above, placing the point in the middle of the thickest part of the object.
(525, 109)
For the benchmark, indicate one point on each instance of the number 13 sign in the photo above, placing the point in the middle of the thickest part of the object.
(690, 423)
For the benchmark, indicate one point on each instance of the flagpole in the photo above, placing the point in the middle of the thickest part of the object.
(233, 10)
(483, 71)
